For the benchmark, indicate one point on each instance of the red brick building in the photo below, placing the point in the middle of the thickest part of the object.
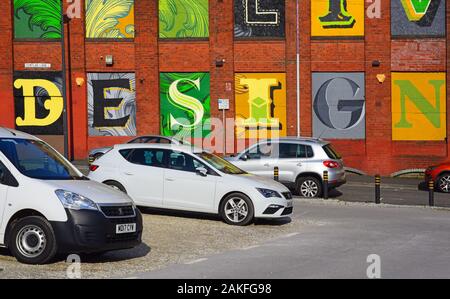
(376, 52)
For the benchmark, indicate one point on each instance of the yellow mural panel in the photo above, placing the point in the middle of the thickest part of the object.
(337, 18)
(419, 106)
(260, 105)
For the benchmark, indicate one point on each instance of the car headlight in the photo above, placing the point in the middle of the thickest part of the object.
(74, 201)
(267, 193)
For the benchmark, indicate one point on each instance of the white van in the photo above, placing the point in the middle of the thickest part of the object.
(47, 206)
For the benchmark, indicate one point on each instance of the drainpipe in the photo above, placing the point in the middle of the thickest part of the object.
(298, 67)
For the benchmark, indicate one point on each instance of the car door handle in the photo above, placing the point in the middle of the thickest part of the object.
(299, 164)
(170, 179)
(128, 173)
(267, 165)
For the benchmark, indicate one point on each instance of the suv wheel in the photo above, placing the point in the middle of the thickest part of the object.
(309, 187)
(32, 240)
(237, 209)
(443, 183)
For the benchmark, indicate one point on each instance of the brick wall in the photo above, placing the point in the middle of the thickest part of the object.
(146, 55)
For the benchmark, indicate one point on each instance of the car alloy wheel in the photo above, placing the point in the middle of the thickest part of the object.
(31, 241)
(309, 188)
(444, 184)
(236, 209)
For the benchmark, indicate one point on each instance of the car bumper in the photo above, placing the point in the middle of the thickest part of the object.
(275, 208)
(91, 231)
(337, 179)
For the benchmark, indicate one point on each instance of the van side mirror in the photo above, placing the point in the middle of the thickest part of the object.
(202, 171)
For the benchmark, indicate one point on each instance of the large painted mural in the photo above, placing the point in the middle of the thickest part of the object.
(339, 105)
(418, 18)
(185, 104)
(183, 18)
(112, 104)
(38, 102)
(259, 18)
(260, 105)
(109, 18)
(419, 106)
(39, 19)
(337, 18)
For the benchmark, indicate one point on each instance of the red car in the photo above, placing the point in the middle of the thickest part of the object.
(440, 174)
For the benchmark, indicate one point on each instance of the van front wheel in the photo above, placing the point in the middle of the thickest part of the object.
(32, 240)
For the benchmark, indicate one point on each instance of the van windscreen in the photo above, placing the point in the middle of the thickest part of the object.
(37, 160)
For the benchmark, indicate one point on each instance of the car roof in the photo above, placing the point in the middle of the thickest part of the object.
(298, 139)
(10, 133)
(181, 148)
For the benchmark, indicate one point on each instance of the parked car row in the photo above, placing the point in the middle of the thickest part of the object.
(47, 206)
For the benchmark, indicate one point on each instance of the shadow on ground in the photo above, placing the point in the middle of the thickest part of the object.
(212, 217)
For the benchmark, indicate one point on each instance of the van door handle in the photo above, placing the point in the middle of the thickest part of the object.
(128, 173)
(170, 179)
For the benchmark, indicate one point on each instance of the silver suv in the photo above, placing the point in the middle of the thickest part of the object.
(301, 163)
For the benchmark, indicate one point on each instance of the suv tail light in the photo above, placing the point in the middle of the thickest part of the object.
(93, 167)
(331, 164)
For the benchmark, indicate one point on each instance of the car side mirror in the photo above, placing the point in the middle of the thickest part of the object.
(202, 171)
(244, 157)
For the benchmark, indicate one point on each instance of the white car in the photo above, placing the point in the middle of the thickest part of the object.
(182, 178)
(47, 206)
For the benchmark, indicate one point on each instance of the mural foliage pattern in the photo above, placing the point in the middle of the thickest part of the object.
(183, 18)
(337, 18)
(259, 18)
(38, 102)
(339, 105)
(110, 18)
(260, 105)
(37, 19)
(418, 17)
(185, 104)
(419, 106)
(112, 104)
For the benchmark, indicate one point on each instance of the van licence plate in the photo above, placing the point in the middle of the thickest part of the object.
(125, 228)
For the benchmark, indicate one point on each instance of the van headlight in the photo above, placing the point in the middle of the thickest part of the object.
(267, 193)
(74, 201)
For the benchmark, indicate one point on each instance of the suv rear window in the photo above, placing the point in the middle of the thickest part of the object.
(331, 152)
(293, 150)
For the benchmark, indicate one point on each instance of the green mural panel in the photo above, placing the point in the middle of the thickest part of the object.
(37, 19)
(110, 18)
(183, 19)
(185, 104)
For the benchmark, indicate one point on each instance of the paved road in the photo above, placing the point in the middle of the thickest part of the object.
(393, 191)
(335, 242)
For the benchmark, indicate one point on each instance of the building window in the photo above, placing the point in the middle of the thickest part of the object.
(110, 19)
(183, 19)
(37, 19)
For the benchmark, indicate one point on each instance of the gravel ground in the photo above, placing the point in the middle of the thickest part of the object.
(168, 239)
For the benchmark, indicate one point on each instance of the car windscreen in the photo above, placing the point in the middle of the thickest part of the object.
(331, 152)
(220, 164)
(36, 159)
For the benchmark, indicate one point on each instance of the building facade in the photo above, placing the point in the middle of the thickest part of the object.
(372, 74)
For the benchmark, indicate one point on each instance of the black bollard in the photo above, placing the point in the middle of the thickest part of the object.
(431, 193)
(276, 173)
(325, 184)
(377, 189)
